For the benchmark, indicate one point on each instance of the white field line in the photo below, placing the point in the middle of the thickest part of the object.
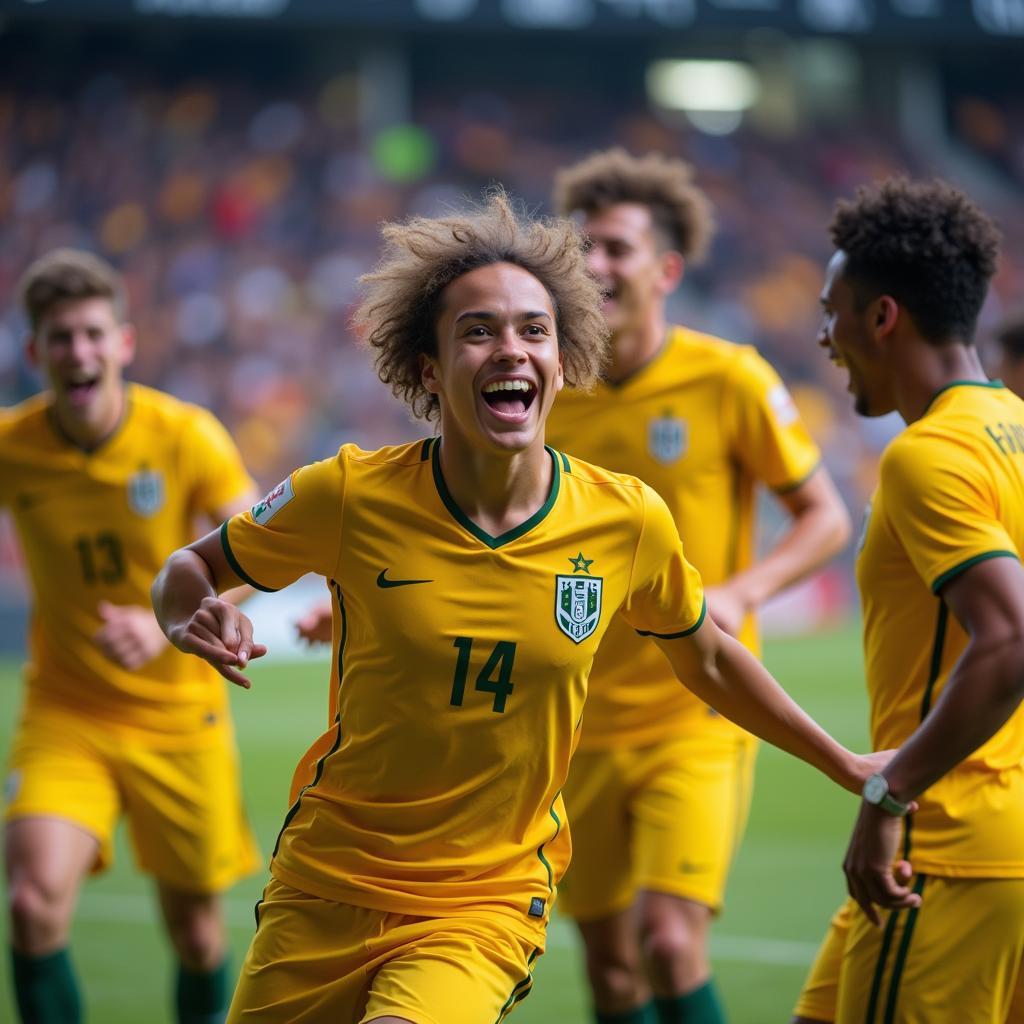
(114, 908)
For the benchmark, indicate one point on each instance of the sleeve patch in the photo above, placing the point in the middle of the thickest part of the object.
(267, 507)
(783, 406)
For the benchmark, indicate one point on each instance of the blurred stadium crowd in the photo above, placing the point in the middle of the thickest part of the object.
(242, 210)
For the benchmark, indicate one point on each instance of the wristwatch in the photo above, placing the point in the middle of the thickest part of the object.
(876, 791)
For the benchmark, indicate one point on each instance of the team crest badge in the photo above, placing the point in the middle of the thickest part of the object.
(146, 494)
(267, 507)
(578, 601)
(667, 438)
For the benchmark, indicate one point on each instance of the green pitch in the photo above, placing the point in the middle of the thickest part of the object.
(786, 883)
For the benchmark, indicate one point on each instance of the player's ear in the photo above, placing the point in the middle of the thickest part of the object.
(32, 353)
(886, 313)
(128, 343)
(429, 374)
(673, 267)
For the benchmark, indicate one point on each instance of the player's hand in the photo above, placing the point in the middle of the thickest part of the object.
(130, 635)
(315, 626)
(726, 608)
(874, 877)
(221, 634)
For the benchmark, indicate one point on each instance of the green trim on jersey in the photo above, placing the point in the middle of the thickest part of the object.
(540, 849)
(233, 562)
(464, 521)
(797, 484)
(962, 384)
(425, 450)
(957, 569)
(318, 774)
(685, 632)
(566, 467)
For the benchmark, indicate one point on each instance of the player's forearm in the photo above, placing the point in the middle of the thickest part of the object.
(816, 533)
(738, 686)
(179, 589)
(984, 689)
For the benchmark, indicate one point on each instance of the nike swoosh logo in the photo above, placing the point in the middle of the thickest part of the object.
(384, 582)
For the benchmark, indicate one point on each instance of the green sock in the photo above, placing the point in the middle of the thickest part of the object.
(202, 997)
(701, 1006)
(46, 988)
(641, 1015)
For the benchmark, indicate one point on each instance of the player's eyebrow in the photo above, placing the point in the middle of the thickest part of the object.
(482, 314)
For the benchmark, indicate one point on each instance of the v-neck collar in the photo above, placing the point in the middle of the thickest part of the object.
(482, 535)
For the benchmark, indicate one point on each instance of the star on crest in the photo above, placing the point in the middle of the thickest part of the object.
(581, 564)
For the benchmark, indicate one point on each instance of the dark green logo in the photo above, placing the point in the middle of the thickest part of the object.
(384, 582)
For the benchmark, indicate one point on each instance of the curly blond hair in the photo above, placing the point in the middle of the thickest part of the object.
(423, 255)
(65, 275)
(679, 210)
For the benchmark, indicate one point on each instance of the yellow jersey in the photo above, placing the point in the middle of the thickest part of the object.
(703, 423)
(951, 493)
(459, 671)
(98, 526)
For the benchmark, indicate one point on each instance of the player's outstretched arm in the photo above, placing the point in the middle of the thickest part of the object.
(192, 615)
(819, 528)
(724, 674)
(984, 689)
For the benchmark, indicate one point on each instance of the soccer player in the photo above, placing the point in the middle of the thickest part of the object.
(934, 929)
(1009, 341)
(104, 479)
(473, 574)
(660, 786)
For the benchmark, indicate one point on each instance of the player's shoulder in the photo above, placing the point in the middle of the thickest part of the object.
(162, 410)
(595, 484)
(26, 421)
(732, 361)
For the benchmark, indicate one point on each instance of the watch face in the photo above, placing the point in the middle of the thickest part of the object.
(875, 788)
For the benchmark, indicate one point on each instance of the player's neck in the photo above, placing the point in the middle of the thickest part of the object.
(90, 431)
(924, 370)
(633, 349)
(497, 493)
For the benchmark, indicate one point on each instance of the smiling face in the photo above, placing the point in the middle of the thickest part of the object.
(634, 271)
(498, 365)
(82, 350)
(854, 337)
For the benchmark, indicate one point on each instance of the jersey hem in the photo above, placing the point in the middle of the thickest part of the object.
(795, 485)
(417, 908)
(942, 869)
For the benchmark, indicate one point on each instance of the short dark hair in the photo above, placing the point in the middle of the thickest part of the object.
(679, 210)
(1009, 335)
(925, 244)
(64, 275)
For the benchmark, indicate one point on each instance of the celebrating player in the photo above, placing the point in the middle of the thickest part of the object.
(942, 592)
(474, 575)
(660, 787)
(104, 480)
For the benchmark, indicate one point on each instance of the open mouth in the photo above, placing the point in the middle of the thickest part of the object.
(81, 389)
(510, 399)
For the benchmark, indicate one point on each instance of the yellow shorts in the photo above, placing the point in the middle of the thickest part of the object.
(956, 960)
(315, 960)
(183, 805)
(665, 818)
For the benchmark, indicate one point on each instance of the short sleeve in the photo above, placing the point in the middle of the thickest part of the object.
(212, 464)
(941, 507)
(764, 426)
(293, 530)
(666, 595)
